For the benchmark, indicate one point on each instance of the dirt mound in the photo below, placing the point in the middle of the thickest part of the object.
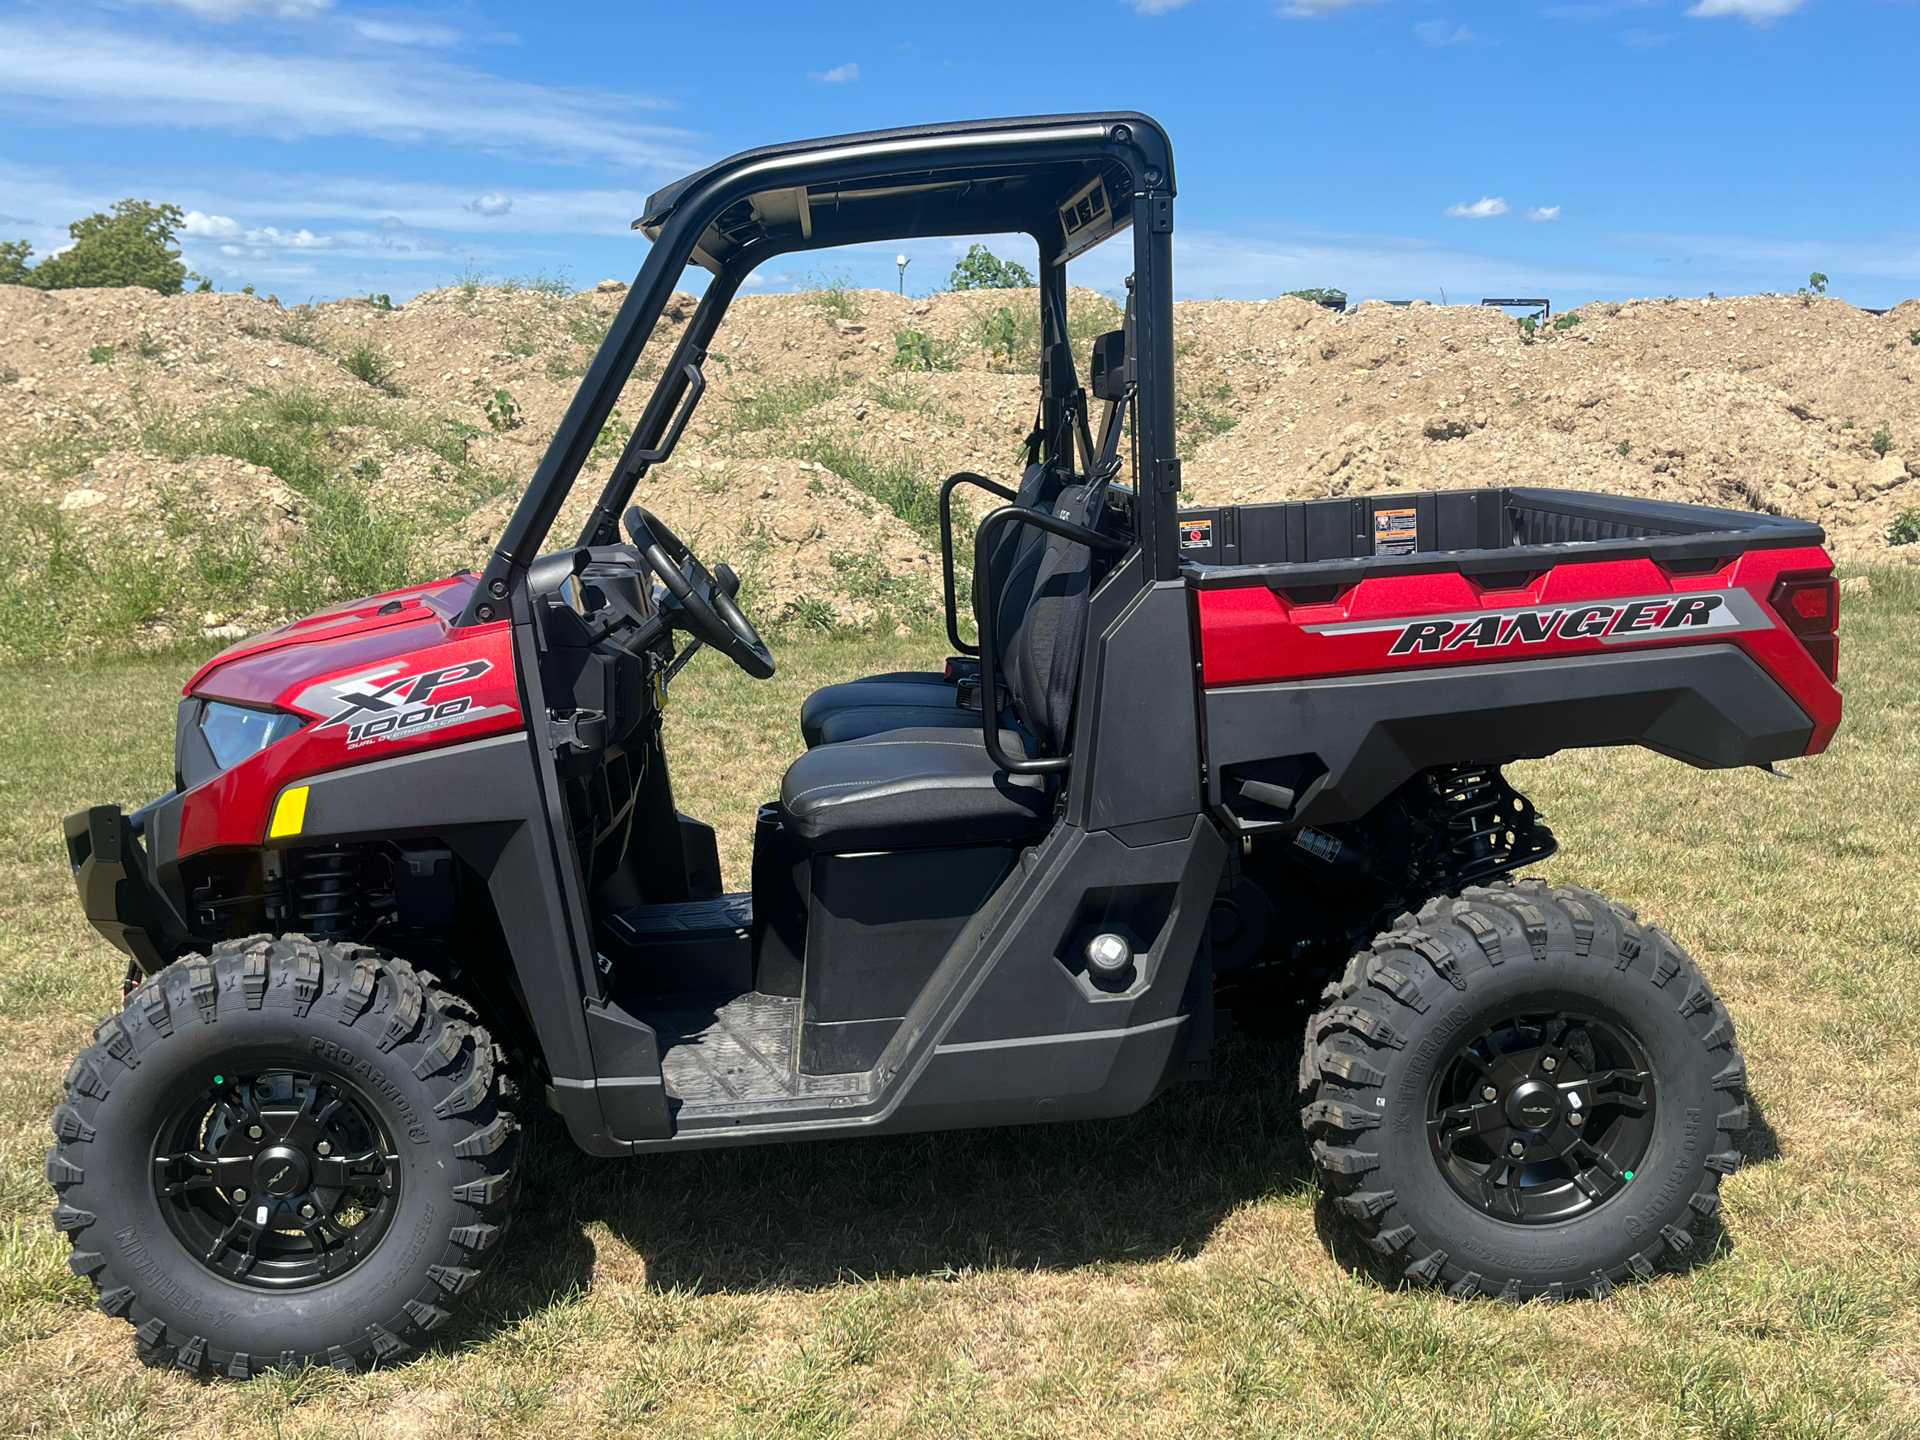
(1771, 403)
(832, 415)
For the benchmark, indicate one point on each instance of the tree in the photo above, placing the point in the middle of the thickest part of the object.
(13, 261)
(132, 246)
(981, 269)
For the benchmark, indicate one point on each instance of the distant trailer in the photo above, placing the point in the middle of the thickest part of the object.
(1545, 307)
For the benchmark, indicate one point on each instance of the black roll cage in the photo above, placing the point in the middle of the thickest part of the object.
(685, 221)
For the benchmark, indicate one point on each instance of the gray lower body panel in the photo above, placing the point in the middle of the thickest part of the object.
(1709, 705)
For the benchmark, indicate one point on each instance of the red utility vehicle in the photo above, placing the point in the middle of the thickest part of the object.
(1197, 761)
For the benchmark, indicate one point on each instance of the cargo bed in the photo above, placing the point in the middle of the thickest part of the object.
(1348, 644)
(1473, 531)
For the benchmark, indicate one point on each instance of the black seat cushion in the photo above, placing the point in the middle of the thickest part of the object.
(913, 690)
(906, 788)
(859, 722)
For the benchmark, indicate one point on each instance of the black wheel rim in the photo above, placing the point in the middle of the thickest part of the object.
(277, 1180)
(1543, 1117)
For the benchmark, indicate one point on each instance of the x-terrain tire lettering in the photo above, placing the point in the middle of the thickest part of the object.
(287, 1151)
(1524, 1092)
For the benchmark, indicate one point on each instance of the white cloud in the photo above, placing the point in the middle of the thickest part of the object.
(210, 226)
(838, 75)
(405, 32)
(109, 78)
(1156, 7)
(234, 9)
(492, 205)
(1320, 7)
(1442, 32)
(1543, 214)
(272, 237)
(1758, 12)
(1485, 208)
(201, 226)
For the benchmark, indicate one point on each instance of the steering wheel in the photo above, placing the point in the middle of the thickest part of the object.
(707, 603)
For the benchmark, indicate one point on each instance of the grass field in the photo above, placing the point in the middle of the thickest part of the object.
(1169, 1274)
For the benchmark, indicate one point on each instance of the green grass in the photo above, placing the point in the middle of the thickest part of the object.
(1169, 1274)
(369, 366)
(84, 582)
(899, 479)
(768, 404)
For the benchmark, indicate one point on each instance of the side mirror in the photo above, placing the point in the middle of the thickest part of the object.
(1108, 366)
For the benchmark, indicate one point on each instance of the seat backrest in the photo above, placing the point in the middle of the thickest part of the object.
(1048, 638)
(1013, 551)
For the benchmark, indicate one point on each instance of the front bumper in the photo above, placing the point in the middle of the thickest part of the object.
(118, 891)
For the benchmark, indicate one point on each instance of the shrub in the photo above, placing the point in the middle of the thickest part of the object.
(502, 413)
(100, 355)
(1624, 446)
(981, 269)
(381, 301)
(917, 350)
(1882, 440)
(1566, 320)
(1322, 295)
(1904, 528)
(1527, 326)
(1913, 337)
(1000, 333)
(132, 246)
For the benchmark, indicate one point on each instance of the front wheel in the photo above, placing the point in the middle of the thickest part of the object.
(287, 1151)
(1524, 1092)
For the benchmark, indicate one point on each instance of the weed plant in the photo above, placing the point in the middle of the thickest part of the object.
(369, 366)
(833, 294)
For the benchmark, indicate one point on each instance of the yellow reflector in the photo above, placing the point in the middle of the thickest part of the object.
(289, 813)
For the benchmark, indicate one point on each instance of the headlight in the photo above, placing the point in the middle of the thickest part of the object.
(234, 732)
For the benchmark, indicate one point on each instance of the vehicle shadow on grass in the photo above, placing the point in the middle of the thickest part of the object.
(806, 1215)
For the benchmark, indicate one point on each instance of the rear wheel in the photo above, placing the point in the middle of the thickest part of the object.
(1524, 1092)
(288, 1151)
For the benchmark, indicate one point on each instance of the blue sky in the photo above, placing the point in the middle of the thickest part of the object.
(1399, 148)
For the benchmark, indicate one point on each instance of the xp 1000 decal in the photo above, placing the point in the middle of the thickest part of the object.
(1612, 622)
(395, 701)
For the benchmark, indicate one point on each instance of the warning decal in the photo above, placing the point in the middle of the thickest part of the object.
(1394, 532)
(1196, 534)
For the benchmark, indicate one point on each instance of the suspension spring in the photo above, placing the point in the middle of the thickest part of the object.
(326, 891)
(1486, 827)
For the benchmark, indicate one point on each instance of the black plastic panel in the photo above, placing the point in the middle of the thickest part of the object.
(1709, 705)
(877, 927)
(1473, 530)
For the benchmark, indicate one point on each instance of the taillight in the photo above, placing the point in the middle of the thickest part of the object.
(1809, 601)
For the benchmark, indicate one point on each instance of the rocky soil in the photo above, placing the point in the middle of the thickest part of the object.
(811, 463)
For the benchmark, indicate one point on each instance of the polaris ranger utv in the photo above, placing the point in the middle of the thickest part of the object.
(1194, 756)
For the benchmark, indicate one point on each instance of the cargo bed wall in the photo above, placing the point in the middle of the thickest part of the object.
(1429, 522)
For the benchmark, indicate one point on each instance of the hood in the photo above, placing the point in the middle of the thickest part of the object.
(263, 667)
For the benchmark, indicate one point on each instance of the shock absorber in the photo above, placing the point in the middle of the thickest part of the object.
(326, 891)
(1486, 827)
